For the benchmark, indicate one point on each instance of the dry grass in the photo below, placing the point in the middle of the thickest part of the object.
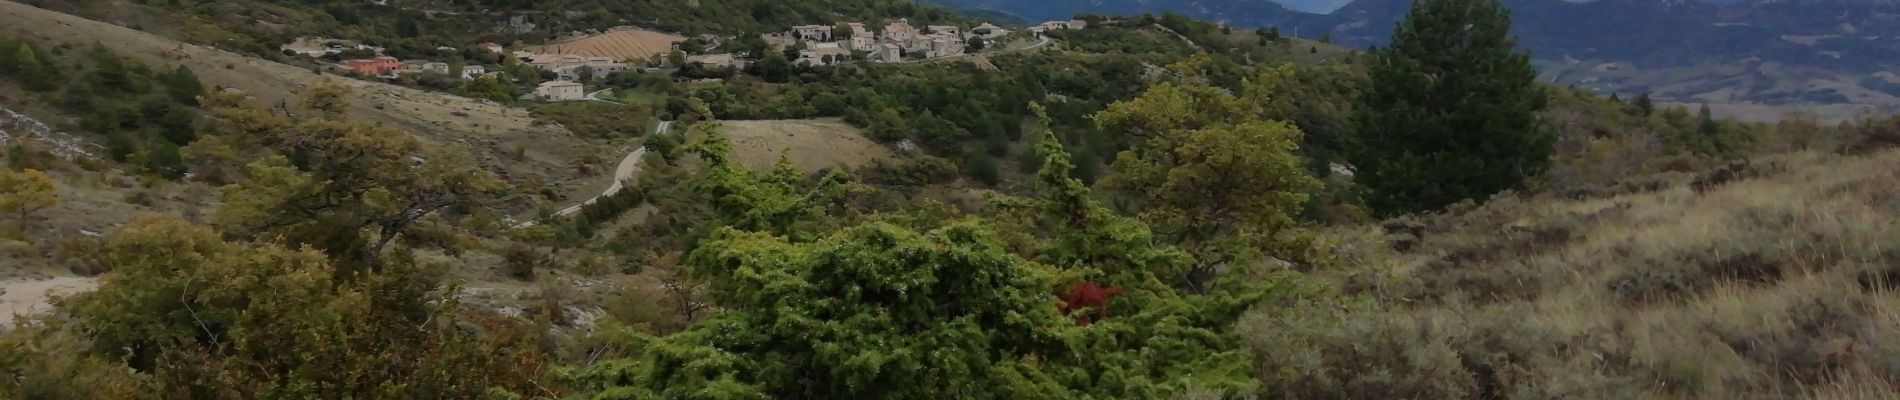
(1774, 287)
(618, 44)
(813, 144)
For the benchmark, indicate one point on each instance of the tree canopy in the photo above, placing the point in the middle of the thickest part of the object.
(348, 188)
(1210, 172)
(25, 192)
(1451, 112)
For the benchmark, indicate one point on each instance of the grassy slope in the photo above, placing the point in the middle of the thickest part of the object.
(812, 145)
(491, 133)
(1771, 286)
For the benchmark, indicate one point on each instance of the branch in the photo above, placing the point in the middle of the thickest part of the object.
(182, 299)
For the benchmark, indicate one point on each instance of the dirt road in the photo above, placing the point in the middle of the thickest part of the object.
(27, 296)
(628, 169)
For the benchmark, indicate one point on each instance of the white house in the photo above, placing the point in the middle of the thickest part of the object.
(559, 90)
(470, 72)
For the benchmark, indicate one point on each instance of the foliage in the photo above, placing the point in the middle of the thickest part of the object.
(207, 318)
(48, 361)
(1211, 174)
(1451, 111)
(880, 310)
(348, 188)
(1092, 245)
(26, 191)
(950, 110)
(775, 201)
(1605, 146)
(27, 64)
(597, 119)
(144, 113)
(488, 87)
(874, 311)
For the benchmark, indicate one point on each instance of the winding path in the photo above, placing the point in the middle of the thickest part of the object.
(595, 96)
(629, 167)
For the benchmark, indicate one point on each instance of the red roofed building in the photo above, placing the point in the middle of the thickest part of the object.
(374, 66)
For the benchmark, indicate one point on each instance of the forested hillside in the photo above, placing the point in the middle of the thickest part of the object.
(1148, 208)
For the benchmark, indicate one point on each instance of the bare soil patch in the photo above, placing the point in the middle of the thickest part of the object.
(31, 296)
(813, 144)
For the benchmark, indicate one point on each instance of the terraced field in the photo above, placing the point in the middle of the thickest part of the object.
(620, 44)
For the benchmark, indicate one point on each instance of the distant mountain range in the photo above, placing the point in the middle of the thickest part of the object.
(1761, 51)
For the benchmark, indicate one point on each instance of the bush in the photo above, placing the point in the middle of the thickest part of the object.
(519, 261)
(912, 172)
(982, 167)
(1692, 271)
(667, 146)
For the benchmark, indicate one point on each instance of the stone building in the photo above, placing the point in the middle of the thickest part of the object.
(559, 90)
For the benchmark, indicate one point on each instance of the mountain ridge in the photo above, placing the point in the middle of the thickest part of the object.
(1753, 52)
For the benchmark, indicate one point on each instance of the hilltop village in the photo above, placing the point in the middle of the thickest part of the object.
(583, 56)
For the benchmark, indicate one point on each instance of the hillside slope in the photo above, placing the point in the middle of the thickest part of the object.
(491, 133)
(1776, 283)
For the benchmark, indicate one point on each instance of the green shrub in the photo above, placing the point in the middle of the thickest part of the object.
(520, 260)
(1688, 272)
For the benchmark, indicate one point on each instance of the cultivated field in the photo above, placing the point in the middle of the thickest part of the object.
(619, 44)
(1822, 113)
(1750, 90)
(813, 144)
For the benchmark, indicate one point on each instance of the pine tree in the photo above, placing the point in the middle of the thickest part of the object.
(183, 86)
(1644, 105)
(34, 70)
(1709, 131)
(164, 159)
(1451, 114)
